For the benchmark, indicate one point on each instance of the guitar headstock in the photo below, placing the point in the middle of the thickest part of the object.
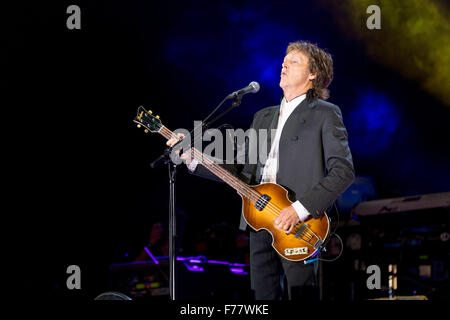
(145, 119)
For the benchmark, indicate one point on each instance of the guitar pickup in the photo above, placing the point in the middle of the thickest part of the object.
(262, 202)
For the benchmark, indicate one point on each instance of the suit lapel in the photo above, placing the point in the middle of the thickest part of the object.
(273, 125)
(271, 122)
(297, 118)
(306, 104)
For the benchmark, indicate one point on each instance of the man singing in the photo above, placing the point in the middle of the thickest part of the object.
(309, 155)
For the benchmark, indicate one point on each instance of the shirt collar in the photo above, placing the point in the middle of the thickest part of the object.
(290, 106)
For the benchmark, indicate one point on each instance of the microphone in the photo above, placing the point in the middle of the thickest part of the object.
(253, 87)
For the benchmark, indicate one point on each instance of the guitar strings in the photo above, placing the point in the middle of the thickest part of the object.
(249, 193)
(253, 195)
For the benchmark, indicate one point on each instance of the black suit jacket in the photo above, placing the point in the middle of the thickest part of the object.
(315, 162)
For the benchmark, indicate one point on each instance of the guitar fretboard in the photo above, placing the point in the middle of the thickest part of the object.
(242, 188)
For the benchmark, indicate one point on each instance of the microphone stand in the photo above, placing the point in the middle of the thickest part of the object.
(172, 229)
(236, 102)
(172, 170)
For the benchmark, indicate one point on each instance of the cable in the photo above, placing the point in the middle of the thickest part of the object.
(333, 233)
(337, 213)
(340, 253)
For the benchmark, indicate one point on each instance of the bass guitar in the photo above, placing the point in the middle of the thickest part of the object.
(261, 204)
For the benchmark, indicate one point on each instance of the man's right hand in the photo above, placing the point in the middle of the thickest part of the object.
(185, 156)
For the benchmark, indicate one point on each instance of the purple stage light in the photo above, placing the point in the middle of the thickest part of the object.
(237, 264)
(238, 271)
(193, 267)
(195, 261)
(218, 262)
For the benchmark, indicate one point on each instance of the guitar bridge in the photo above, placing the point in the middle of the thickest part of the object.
(303, 234)
(262, 202)
(318, 244)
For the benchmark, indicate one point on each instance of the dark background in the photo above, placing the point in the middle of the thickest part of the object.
(84, 193)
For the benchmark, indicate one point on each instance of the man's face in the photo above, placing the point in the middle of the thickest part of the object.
(295, 72)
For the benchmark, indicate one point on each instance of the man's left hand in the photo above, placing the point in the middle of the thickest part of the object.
(287, 219)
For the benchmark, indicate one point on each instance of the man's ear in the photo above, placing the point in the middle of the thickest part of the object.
(312, 76)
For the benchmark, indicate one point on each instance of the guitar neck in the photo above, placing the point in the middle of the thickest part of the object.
(242, 188)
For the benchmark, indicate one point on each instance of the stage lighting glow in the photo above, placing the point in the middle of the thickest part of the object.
(413, 40)
(373, 123)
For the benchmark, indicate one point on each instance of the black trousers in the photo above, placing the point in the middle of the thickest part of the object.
(270, 273)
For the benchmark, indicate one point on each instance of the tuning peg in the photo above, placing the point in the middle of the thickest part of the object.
(157, 117)
(146, 131)
(138, 125)
(150, 112)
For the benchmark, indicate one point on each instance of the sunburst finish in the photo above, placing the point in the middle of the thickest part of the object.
(315, 228)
